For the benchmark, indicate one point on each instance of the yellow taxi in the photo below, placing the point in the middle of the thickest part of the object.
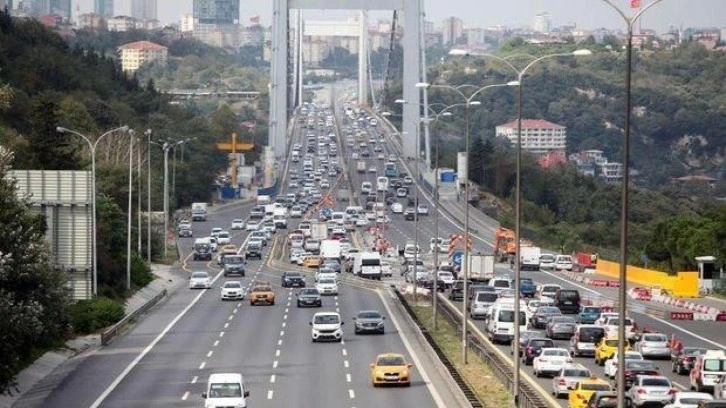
(391, 368)
(262, 293)
(583, 390)
(606, 347)
(312, 262)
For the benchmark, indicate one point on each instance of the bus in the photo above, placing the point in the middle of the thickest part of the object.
(382, 184)
(390, 170)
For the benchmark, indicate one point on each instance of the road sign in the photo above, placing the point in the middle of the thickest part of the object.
(326, 212)
(456, 259)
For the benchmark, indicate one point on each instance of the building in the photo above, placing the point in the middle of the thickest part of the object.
(136, 54)
(452, 29)
(6, 4)
(542, 23)
(538, 136)
(144, 10)
(89, 21)
(103, 8)
(216, 22)
(39, 8)
(187, 23)
(612, 172)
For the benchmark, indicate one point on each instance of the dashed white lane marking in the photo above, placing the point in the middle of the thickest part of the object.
(351, 393)
(345, 352)
(342, 342)
(216, 343)
(269, 394)
(185, 396)
(226, 325)
(282, 333)
(209, 353)
(239, 304)
(274, 364)
(221, 334)
(679, 386)
(234, 311)
(284, 324)
(347, 377)
(346, 364)
(279, 342)
(201, 366)
(194, 380)
(230, 317)
(337, 309)
(272, 378)
(277, 353)
(287, 310)
(284, 317)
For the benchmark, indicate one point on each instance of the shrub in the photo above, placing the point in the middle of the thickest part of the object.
(88, 316)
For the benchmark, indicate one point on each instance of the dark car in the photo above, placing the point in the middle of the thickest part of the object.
(527, 288)
(253, 251)
(524, 337)
(410, 215)
(682, 359)
(309, 297)
(533, 347)
(561, 327)
(331, 264)
(428, 283)
(234, 265)
(567, 300)
(369, 321)
(457, 290)
(634, 368)
(292, 280)
(478, 287)
(589, 314)
(542, 316)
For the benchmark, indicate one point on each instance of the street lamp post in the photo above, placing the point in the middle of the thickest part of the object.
(132, 137)
(148, 195)
(624, 197)
(94, 238)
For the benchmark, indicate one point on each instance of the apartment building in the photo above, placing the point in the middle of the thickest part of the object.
(136, 54)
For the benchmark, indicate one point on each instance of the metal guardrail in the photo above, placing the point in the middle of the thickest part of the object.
(114, 330)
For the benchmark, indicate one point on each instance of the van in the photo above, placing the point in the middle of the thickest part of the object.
(352, 210)
(500, 284)
(366, 187)
(586, 337)
(500, 325)
(263, 199)
(567, 300)
(225, 390)
(480, 304)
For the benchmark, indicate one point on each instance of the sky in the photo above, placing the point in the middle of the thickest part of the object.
(588, 14)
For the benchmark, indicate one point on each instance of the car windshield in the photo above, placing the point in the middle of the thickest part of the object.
(391, 361)
(541, 343)
(327, 281)
(233, 259)
(611, 343)
(576, 373)
(326, 319)
(232, 285)
(486, 297)
(225, 390)
(591, 310)
(691, 401)
(639, 365)
(655, 382)
(507, 316)
(714, 364)
(548, 288)
(223, 234)
(292, 275)
(262, 288)
(655, 337)
(199, 275)
(501, 283)
(309, 292)
(550, 310)
(369, 315)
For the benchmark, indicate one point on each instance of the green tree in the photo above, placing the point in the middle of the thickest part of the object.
(33, 297)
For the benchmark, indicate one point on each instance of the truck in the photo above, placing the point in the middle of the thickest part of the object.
(330, 249)
(279, 217)
(199, 211)
(481, 267)
(529, 257)
(368, 265)
(318, 231)
(361, 166)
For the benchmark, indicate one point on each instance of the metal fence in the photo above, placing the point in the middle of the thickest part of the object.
(114, 330)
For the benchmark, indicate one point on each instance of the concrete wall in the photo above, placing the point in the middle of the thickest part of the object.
(684, 284)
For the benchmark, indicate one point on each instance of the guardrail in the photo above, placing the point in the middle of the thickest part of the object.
(114, 330)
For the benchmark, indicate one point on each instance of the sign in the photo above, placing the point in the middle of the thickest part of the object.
(326, 212)
(681, 315)
(456, 259)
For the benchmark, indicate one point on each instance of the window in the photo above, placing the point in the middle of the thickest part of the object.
(391, 361)
(326, 319)
(225, 390)
(507, 316)
(714, 364)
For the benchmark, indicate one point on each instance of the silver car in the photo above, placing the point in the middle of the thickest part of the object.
(567, 378)
(654, 345)
(480, 304)
(649, 389)
(200, 280)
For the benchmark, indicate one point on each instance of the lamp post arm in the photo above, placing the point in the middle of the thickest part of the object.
(121, 128)
(520, 74)
(630, 20)
(482, 89)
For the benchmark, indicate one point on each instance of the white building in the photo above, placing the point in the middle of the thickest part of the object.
(542, 23)
(612, 172)
(187, 23)
(121, 23)
(136, 54)
(538, 136)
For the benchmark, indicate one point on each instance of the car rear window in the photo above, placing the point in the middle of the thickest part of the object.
(591, 334)
(596, 387)
(486, 297)
(568, 294)
(655, 382)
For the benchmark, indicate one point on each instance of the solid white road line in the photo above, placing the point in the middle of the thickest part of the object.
(434, 392)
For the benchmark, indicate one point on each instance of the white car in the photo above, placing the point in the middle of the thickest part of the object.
(326, 326)
(324, 184)
(567, 378)
(200, 280)
(213, 243)
(407, 180)
(397, 208)
(547, 261)
(372, 170)
(423, 209)
(563, 263)
(296, 211)
(611, 364)
(215, 231)
(232, 290)
(294, 184)
(298, 257)
(362, 222)
(604, 318)
(548, 290)
(325, 275)
(551, 361)
(688, 399)
(381, 156)
(654, 345)
(650, 389)
(446, 277)
(223, 238)
(327, 286)
(252, 225)
(238, 224)
(611, 327)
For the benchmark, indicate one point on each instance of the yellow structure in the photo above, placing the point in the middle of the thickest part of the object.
(136, 54)
(234, 147)
(684, 284)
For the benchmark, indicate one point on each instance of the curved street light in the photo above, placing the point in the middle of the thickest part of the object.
(92, 146)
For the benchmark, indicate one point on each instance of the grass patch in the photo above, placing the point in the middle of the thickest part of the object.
(719, 293)
(476, 373)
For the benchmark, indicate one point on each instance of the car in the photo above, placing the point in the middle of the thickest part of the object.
(585, 339)
(653, 345)
(200, 280)
(296, 211)
(391, 369)
(372, 170)
(589, 314)
(649, 389)
(381, 156)
(225, 390)
(409, 215)
(548, 290)
(326, 326)
(292, 280)
(610, 368)
(324, 184)
(257, 212)
(233, 264)
(327, 286)
(688, 399)
(253, 250)
(401, 192)
(312, 261)
(533, 348)
(682, 358)
(238, 224)
(252, 225)
(603, 399)
(561, 327)
(269, 226)
(369, 321)
(232, 290)
(261, 236)
(563, 263)
(362, 222)
(550, 361)
(185, 232)
(613, 323)
(546, 261)
(606, 348)
(225, 251)
(309, 297)
(423, 209)
(185, 224)
(407, 180)
(543, 315)
(262, 293)
(397, 208)
(584, 389)
(215, 232)
(636, 368)
(567, 378)
(213, 243)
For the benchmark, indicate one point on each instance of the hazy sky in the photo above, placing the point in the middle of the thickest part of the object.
(585, 13)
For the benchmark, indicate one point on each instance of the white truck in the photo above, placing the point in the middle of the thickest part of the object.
(199, 211)
(529, 258)
(279, 217)
(318, 231)
(481, 267)
(331, 249)
(361, 166)
(367, 265)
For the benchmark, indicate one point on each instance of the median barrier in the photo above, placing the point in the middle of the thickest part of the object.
(114, 330)
(681, 315)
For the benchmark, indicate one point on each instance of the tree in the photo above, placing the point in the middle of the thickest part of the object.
(33, 296)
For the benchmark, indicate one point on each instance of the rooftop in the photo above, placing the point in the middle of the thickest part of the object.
(533, 124)
(142, 45)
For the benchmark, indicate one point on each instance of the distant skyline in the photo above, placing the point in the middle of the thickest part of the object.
(588, 14)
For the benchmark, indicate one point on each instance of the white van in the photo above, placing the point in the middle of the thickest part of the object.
(225, 390)
(366, 187)
(263, 199)
(338, 217)
(499, 284)
(382, 184)
(500, 325)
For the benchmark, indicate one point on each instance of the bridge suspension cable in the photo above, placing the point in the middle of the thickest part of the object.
(384, 93)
